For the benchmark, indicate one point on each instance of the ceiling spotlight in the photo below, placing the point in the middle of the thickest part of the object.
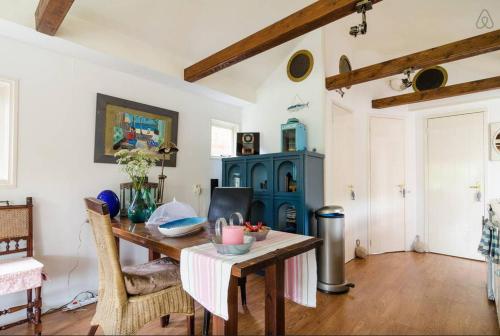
(402, 84)
(361, 7)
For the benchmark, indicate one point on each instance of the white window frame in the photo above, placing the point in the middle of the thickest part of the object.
(12, 115)
(224, 124)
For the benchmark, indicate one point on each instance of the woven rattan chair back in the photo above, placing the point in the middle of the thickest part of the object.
(16, 225)
(111, 283)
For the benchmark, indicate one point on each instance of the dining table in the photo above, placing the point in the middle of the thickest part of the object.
(273, 264)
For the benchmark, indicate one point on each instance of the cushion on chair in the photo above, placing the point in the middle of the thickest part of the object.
(19, 274)
(151, 277)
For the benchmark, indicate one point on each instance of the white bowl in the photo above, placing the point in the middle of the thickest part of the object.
(182, 227)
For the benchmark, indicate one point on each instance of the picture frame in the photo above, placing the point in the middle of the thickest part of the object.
(125, 124)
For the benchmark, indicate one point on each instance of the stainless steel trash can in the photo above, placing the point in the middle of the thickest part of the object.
(331, 264)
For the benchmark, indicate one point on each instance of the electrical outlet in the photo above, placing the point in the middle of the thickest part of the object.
(197, 189)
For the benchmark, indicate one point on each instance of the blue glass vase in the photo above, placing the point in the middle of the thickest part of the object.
(142, 205)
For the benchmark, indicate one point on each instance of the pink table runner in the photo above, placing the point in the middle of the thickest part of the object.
(205, 274)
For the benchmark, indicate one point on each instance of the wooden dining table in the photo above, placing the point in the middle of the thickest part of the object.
(273, 263)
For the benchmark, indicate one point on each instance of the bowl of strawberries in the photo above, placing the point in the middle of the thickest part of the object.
(259, 231)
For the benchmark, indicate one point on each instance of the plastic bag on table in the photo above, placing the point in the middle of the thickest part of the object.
(171, 211)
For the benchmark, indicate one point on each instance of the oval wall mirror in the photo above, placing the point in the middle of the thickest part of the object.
(345, 66)
(300, 65)
(496, 143)
(430, 78)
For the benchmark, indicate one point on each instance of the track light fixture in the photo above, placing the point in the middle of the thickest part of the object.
(361, 7)
(404, 83)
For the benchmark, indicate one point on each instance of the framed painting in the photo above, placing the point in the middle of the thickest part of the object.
(124, 124)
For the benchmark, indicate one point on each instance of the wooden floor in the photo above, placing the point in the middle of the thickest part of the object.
(397, 293)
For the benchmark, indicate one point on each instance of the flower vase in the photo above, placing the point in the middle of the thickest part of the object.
(142, 206)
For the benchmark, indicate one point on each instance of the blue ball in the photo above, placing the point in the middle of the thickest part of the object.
(113, 202)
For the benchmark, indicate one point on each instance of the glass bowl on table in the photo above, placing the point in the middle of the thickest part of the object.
(259, 231)
(233, 249)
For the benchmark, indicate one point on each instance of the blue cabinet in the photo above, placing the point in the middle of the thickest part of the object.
(288, 187)
(262, 210)
(235, 174)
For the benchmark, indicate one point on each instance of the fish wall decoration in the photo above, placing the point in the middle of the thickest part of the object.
(297, 107)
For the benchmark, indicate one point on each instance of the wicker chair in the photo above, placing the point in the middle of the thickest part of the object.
(20, 273)
(120, 310)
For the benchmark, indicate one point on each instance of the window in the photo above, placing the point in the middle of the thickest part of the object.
(223, 138)
(8, 132)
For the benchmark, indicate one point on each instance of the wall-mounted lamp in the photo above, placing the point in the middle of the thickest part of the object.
(170, 148)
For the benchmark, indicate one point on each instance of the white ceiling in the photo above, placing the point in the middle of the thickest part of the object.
(195, 29)
(400, 27)
(178, 33)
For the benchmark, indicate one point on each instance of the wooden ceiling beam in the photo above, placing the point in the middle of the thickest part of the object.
(299, 23)
(439, 93)
(454, 51)
(50, 14)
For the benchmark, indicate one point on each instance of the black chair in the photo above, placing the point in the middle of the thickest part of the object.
(225, 202)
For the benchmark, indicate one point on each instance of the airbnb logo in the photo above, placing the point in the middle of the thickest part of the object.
(484, 20)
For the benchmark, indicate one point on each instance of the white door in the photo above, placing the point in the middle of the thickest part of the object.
(387, 185)
(343, 168)
(455, 182)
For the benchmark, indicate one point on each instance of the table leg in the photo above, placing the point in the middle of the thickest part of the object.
(117, 241)
(275, 299)
(153, 255)
(229, 327)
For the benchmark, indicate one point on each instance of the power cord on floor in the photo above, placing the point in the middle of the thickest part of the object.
(77, 263)
(67, 303)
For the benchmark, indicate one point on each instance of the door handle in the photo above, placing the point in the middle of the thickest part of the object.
(351, 191)
(477, 187)
(402, 190)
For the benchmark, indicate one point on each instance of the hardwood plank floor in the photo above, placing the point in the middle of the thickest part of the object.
(396, 293)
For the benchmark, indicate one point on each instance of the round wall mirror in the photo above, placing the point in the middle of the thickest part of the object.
(300, 65)
(430, 78)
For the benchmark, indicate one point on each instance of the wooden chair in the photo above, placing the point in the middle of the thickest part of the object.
(133, 296)
(225, 202)
(20, 273)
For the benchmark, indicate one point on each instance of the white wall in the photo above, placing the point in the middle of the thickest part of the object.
(57, 101)
(278, 92)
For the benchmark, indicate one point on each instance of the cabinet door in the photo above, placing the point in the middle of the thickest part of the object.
(235, 174)
(288, 176)
(260, 176)
(288, 215)
(261, 210)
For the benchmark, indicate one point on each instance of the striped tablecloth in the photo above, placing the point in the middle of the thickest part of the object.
(205, 274)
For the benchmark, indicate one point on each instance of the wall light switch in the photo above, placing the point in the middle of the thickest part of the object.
(197, 189)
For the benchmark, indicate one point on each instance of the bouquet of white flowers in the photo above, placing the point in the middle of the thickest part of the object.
(136, 163)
